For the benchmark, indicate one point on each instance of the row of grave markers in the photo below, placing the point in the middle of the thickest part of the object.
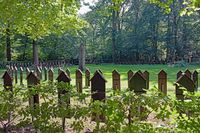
(137, 81)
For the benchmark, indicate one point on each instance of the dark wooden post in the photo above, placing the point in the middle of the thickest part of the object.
(21, 75)
(162, 81)
(33, 80)
(187, 83)
(45, 73)
(130, 74)
(79, 84)
(137, 84)
(188, 73)
(7, 81)
(87, 77)
(116, 80)
(98, 86)
(98, 91)
(16, 76)
(63, 77)
(50, 74)
(195, 78)
(146, 76)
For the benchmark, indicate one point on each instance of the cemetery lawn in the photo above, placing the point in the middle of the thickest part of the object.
(123, 69)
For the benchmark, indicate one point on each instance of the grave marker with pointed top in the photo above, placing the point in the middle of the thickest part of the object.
(21, 75)
(130, 74)
(116, 80)
(195, 78)
(162, 81)
(188, 73)
(98, 86)
(146, 76)
(33, 80)
(79, 84)
(87, 77)
(50, 74)
(7, 81)
(179, 74)
(187, 83)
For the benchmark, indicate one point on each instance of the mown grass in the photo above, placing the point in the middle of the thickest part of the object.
(123, 69)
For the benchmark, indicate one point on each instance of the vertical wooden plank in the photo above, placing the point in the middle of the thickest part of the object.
(87, 77)
(130, 74)
(50, 74)
(195, 78)
(146, 76)
(7, 81)
(45, 73)
(116, 80)
(79, 84)
(162, 81)
(16, 74)
(21, 75)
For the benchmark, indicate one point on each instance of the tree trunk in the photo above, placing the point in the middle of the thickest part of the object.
(114, 30)
(35, 54)
(8, 45)
(82, 57)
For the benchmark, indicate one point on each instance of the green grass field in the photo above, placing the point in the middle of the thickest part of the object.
(123, 69)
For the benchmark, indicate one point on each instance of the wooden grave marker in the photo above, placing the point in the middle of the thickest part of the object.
(188, 73)
(195, 79)
(87, 77)
(116, 80)
(33, 80)
(79, 78)
(45, 73)
(50, 74)
(187, 83)
(16, 74)
(146, 76)
(162, 81)
(130, 74)
(21, 75)
(7, 81)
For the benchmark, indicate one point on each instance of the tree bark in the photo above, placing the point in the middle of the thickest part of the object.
(35, 54)
(8, 45)
(82, 57)
(114, 30)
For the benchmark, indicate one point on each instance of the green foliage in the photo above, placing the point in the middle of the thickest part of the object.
(122, 111)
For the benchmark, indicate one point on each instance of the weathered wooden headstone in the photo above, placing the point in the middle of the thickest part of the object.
(87, 77)
(68, 72)
(16, 75)
(98, 91)
(79, 83)
(162, 81)
(21, 75)
(45, 73)
(50, 74)
(63, 77)
(130, 74)
(138, 83)
(195, 78)
(187, 83)
(116, 80)
(7, 81)
(33, 80)
(98, 86)
(146, 76)
(188, 73)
